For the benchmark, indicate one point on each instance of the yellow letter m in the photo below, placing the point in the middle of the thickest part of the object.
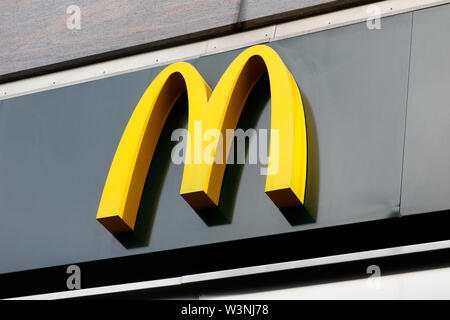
(220, 110)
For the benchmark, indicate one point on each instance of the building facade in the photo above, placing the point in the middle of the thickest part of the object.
(349, 97)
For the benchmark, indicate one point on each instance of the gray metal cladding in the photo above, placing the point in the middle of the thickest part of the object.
(56, 147)
(426, 173)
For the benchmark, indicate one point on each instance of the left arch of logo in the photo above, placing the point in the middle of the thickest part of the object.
(219, 109)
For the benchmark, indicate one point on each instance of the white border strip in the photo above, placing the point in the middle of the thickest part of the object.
(241, 271)
(212, 46)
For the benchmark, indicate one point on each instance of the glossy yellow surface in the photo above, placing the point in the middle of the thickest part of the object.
(220, 110)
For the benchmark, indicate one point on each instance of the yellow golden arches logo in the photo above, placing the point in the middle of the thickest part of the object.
(219, 109)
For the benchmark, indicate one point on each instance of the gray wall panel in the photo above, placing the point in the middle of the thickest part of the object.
(56, 148)
(355, 93)
(426, 177)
